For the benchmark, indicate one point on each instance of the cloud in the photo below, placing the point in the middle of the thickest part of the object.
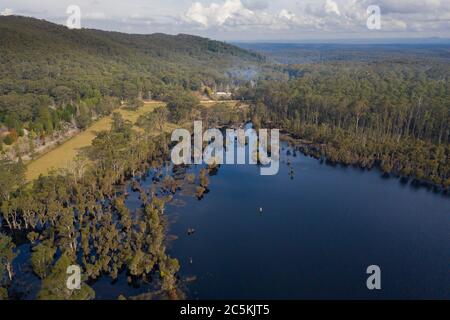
(95, 16)
(256, 4)
(414, 16)
(332, 7)
(6, 12)
(288, 15)
(234, 15)
(219, 14)
(249, 19)
(325, 9)
(408, 6)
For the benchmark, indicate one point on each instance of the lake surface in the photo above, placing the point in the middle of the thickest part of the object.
(316, 236)
(319, 231)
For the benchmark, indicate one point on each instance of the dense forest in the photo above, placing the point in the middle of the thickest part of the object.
(51, 76)
(423, 50)
(391, 114)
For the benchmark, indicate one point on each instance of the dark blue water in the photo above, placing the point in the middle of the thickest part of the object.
(316, 237)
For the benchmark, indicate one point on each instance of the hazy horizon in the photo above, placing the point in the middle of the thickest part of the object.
(252, 20)
(336, 41)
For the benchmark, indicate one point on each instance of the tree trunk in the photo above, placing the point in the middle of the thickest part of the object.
(9, 270)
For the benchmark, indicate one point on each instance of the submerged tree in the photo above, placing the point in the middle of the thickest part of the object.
(54, 287)
(42, 258)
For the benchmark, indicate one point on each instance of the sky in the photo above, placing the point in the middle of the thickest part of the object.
(251, 20)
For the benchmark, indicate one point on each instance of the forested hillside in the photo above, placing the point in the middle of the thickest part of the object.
(50, 74)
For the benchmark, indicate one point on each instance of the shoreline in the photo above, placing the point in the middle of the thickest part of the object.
(312, 149)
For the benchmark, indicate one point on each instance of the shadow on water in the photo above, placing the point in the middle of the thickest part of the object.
(308, 232)
(321, 226)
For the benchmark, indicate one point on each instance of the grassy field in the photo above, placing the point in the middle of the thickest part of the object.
(61, 156)
(64, 154)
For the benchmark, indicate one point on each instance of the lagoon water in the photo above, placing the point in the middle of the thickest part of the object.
(316, 236)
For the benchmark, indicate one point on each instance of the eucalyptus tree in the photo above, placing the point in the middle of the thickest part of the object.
(7, 255)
